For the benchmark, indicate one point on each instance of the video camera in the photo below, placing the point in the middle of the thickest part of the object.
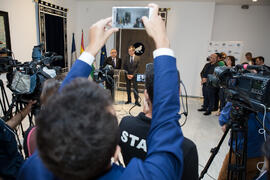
(249, 86)
(25, 79)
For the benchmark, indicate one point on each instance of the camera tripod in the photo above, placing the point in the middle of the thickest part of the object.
(13, 108)
(238, 125)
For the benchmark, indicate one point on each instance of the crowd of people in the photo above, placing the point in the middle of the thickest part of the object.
(213, 97)
(77, 135)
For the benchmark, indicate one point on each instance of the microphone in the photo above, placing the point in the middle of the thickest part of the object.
(108, 68)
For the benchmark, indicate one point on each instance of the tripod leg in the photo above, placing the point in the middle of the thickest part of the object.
(237, 168)
(214, 152)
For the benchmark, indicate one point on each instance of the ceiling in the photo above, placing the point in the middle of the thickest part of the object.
(228, 2)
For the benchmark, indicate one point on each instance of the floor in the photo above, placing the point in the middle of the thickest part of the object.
(204, 131)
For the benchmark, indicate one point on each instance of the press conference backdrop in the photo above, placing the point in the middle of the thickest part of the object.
(231, 48)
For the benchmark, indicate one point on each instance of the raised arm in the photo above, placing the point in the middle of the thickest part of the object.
(164, 157)
(98, 35)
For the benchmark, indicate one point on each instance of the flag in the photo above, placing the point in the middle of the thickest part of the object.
(103, 56)
(82, 49)
(73, 50)
(82, 44)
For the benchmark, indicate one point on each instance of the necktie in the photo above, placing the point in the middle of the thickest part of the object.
(131, 59)
(114, 62)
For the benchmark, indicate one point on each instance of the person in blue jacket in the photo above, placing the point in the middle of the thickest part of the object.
(77, 129)
(255, 142)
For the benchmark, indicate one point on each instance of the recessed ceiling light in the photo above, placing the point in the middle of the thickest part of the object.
(254, 0)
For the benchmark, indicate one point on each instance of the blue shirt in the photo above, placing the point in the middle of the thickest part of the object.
(10, 157)
(254, 139)
(164, 157)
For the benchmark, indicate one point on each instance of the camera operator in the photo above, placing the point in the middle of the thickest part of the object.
(259, 61)
(249, 59)
(254, 143)
(115, 62)
(78, 131)
(49, 88)
(220, 58)
(11, 159)
(229, 62)
(134, 130)
(208, 90)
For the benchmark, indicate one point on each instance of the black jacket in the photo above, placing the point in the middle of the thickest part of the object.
(131, 68)
(10, 158)
(133, 135)
(208, 69)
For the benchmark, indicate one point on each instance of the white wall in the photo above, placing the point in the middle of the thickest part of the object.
(189, 28)
(23, 24)
(191, 25)
(250, 26)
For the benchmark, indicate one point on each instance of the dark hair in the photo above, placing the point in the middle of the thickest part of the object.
(260, 58)
(248, 54)
(149, 80)
(219, 55)
(232, 58)
(77, 133)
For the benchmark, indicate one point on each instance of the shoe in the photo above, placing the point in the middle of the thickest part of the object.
(207, 113)
(202, 109)
(128, 102)
(138, 104)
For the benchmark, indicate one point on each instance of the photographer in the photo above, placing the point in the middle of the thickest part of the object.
(11, 159)
(254, 143)
(209, 92)
(78, 131)
(134, 130)
(259, 61)
(229, 62)
(249, 59)
(49, 88)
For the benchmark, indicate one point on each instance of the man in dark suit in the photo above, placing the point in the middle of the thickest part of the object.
(131, 65)
(115, 62)
(209, 91)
